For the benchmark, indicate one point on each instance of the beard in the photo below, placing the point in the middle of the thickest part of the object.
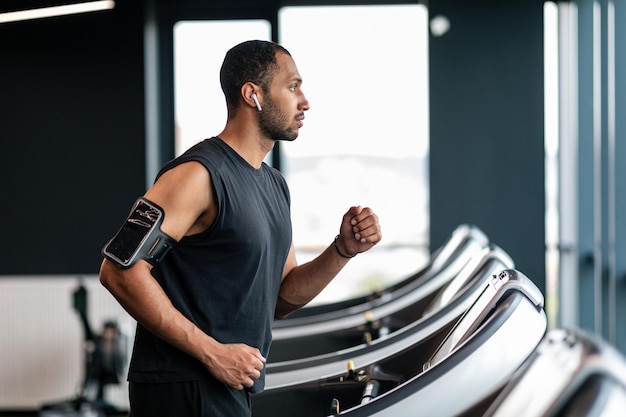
(274, 123)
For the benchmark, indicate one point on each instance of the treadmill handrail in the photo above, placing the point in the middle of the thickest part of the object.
(441, 283)
(464, 240)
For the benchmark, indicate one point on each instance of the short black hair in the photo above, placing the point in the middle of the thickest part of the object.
(250, 61)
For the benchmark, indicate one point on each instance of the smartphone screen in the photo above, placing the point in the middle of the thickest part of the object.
(125, 244)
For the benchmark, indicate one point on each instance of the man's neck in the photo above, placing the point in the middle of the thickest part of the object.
(249, 145)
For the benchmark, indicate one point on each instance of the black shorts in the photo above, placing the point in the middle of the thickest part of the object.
(202, 398)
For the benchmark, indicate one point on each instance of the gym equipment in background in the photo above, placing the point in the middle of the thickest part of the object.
(104, 362)
(571, 374)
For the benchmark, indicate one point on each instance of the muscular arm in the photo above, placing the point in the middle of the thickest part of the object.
(359, 232)
(184, 194)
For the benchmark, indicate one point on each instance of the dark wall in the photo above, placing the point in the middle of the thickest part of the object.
(72, 136)
(487, 151)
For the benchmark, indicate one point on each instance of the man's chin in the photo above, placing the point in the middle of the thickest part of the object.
(288, 138)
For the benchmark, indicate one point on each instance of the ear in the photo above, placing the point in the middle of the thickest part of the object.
(248, 90)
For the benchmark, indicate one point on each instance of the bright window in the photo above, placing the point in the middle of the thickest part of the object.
(365, 138)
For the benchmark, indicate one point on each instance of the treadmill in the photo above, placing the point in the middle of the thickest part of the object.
(571, 373)
(472, 358)
(400, 310)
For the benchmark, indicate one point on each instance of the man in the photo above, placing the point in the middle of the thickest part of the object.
(205, 309)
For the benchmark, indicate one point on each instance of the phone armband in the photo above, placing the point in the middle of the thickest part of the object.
(140, 237)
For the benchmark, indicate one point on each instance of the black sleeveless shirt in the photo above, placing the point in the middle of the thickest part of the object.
(226, 279)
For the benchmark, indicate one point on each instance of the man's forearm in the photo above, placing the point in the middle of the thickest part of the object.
(306, 281)
(144, 299)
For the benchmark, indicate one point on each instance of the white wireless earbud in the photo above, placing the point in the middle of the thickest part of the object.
(256, 101)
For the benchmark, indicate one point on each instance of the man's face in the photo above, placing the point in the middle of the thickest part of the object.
(284, 104)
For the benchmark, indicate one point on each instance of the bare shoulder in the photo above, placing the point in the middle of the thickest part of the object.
(185, 194)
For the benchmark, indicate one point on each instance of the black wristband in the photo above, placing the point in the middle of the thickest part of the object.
(339, 252)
